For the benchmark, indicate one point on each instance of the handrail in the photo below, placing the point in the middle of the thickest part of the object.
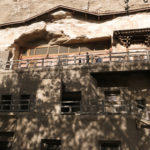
(83, 59)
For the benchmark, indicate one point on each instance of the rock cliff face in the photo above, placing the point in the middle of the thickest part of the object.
(13, 10)
(66, 29)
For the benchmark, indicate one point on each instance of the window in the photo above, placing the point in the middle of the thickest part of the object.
(24, 102)
(5, 145)
(63, 49)
(5, 102)
(48, 144)
(41, 51)
(109, 145)
(70, 102)
(112, 96)
(113, 103)
(141, 103)
(31, 51)
(53, 50)
(5, 142)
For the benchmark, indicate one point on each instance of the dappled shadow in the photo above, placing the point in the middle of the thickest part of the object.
(80, 131)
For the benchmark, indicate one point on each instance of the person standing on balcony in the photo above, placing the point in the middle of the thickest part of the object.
(87, 58)
(79, 59)
(98, 59)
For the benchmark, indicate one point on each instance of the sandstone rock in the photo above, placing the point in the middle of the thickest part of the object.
(22, 9)
(70, 30)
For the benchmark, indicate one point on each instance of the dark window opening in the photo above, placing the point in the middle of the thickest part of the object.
(48, 144)
(141, 104)
(6, 102)
(5, 145)
(6, 134)
(70, 102)
(109, 145)
(24, 102)
(130, 79)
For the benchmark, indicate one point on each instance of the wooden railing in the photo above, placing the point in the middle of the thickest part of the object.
(64, 60)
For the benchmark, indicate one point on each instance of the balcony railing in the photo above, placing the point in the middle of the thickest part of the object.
(15, 105)
(104, 107)
(64, 60)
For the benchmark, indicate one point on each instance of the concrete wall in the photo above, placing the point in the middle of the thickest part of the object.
(78, 131)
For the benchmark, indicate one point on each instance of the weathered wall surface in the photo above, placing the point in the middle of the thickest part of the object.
(14, 10)
(69, 29)
(77, 132)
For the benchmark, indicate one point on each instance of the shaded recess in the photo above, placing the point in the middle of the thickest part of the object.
(33, 39)
(130, 79)
(70, 101)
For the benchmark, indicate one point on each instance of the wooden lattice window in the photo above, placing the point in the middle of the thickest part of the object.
(53, 50)
(63, 49)
(32, 52)
(41, 51)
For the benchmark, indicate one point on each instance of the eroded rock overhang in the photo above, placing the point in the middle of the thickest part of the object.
(65, 29)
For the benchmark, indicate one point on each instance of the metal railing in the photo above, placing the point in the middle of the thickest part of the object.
(15, 105)
(85, 59)
(130, 107)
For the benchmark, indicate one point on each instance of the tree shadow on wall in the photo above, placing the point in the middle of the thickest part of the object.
(45, 121)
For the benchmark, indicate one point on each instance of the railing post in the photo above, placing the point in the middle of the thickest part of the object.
(103, 105)
(147, 53)
(128, 53)
(11, 64)
(110, 56)
(58, 60)
(42, 62)
(75, 60)
(27, 61)
(92, 59)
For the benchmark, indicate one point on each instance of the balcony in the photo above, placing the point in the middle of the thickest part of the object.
(66, 60)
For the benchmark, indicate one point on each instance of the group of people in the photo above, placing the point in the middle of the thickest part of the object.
(96, 59)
